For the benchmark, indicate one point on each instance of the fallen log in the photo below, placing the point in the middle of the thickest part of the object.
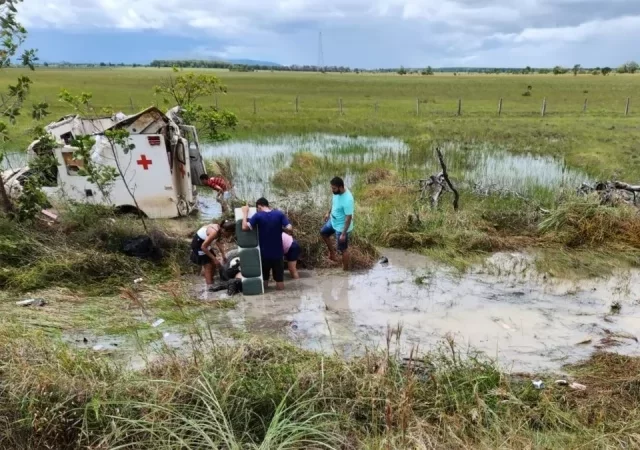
(612, 192)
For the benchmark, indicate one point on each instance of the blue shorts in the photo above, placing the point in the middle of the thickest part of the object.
(294, 252)
(327, 230)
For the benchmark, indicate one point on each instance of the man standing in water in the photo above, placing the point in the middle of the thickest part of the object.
(339, 221)
(270, 224)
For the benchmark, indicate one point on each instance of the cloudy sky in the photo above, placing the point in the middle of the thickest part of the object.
(356, 33)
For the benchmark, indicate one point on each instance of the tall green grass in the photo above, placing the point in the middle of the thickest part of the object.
(270, 395)
(84, 252)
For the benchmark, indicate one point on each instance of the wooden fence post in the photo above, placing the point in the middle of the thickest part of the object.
(500, 107)
(297, 104)
(340, 104)
(417, 106)
(459, 106)
(626, 108)
(584, 107)
(544, 106)
(375, 107)
(133, 109)
(254, 106)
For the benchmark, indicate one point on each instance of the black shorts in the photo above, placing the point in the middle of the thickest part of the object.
(201, 260)
(275, 266)
(294, 252)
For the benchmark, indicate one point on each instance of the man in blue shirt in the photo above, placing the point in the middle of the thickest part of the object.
(270, 224)
(339, 221)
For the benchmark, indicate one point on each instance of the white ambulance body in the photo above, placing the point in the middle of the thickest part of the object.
(160, 172)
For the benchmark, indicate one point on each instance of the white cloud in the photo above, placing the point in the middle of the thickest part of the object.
(579, 33)
(390, 32)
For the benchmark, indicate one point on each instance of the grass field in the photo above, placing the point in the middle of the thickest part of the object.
(262, 394)
(602, 141)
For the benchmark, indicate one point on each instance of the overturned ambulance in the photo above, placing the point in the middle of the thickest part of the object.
(161, 172)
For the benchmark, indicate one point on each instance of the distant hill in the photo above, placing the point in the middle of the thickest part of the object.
(253, 62)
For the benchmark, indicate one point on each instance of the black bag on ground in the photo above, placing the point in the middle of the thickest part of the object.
(142, 247)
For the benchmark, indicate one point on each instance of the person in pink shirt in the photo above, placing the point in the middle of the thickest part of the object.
(291, 253)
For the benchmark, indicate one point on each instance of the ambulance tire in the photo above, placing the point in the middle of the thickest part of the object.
(129, 210)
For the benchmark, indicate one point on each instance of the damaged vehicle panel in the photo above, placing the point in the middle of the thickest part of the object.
(162, 171)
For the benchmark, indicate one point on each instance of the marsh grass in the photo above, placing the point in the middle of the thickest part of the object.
(84, 252)
(260, 394)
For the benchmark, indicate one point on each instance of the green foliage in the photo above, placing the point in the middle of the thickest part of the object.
(559, 70)
(32, 200)
(402, 71)
(44, 165)
(185, 90)
(80, 103)
(40, 111)
(427, 71)
(629, 67)
(576, 69)
(211, 120)
(12, 36)
(120, 137)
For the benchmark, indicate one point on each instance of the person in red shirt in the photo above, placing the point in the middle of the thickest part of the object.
(220, 185)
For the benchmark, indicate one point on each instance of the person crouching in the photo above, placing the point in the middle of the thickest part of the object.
(202, 252)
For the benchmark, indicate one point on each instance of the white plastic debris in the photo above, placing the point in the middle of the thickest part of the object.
(157, 323)
(578, 386)
(585, 341)
(538, 384)
(562, 382)
(98, 347)
(138, 281)
(31, 302)
(26, 302)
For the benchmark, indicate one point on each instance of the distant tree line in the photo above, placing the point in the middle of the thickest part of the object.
(205, 64)
(628, 67)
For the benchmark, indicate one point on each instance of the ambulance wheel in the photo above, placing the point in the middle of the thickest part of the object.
(129, 210)
(183, 208)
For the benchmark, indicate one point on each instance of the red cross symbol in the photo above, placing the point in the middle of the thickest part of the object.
(144, 162)
(182, 171)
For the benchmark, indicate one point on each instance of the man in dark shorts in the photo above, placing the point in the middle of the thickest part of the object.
(339, 221)
(270, 224)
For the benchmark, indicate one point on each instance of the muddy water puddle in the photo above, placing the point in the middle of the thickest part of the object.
(523, 321)
(504, 309)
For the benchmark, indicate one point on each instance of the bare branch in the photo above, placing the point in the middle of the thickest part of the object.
(446, 178)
